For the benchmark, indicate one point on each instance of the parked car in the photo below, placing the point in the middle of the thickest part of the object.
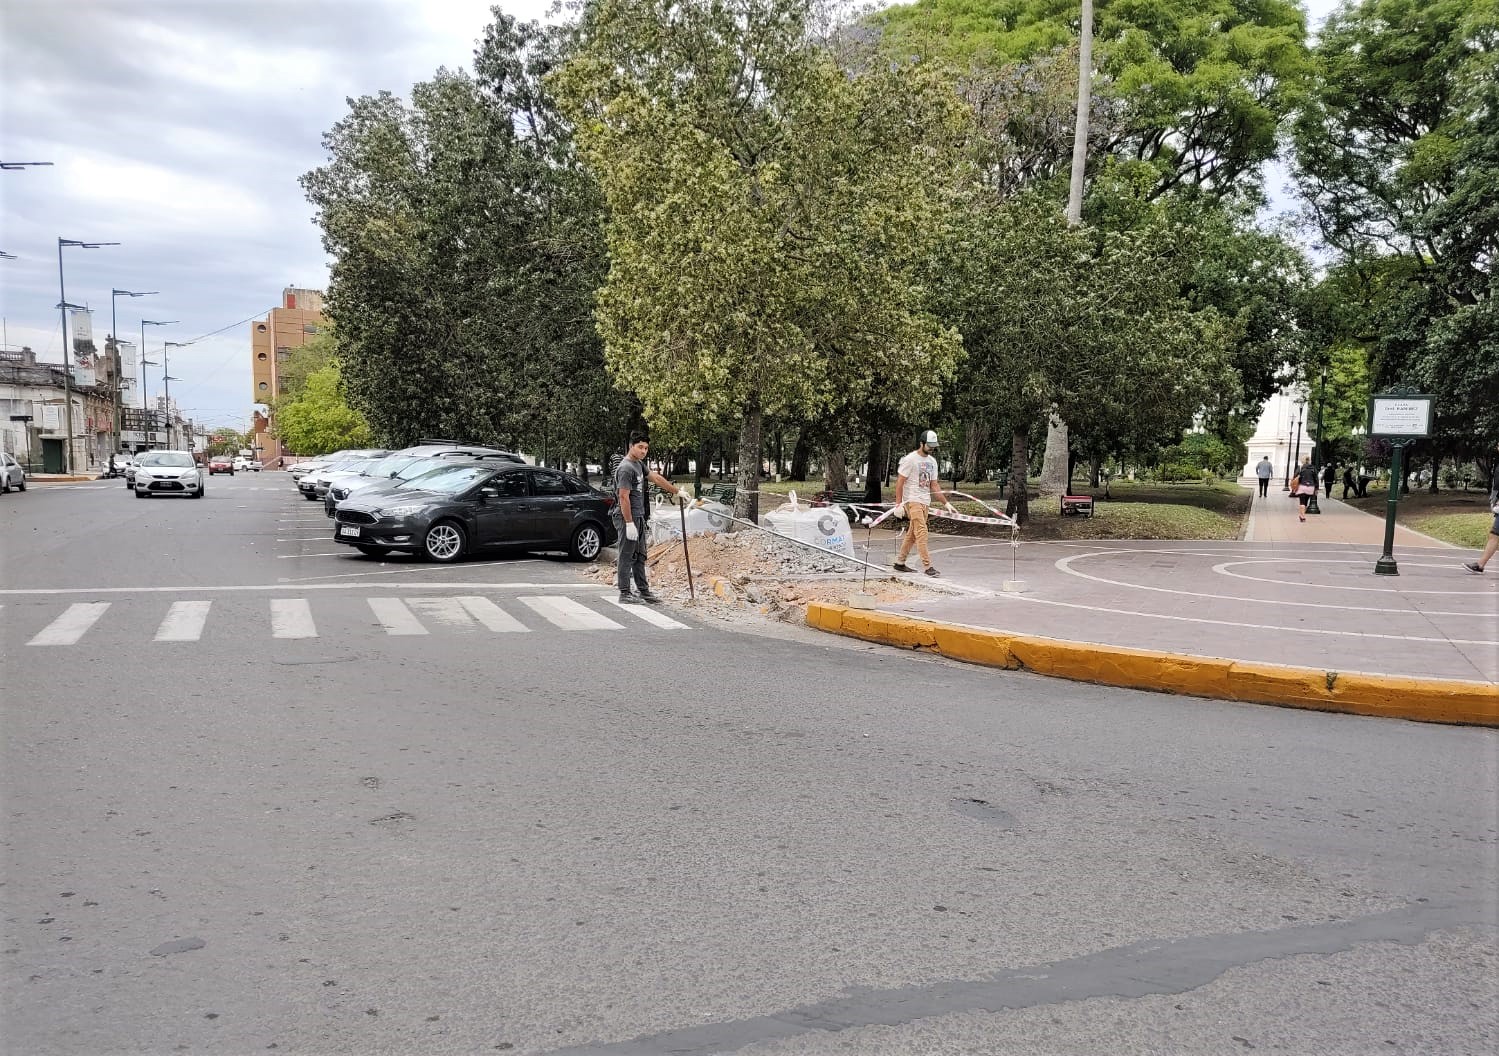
(314, 485)
(404, 465)
(129, 470)
(168, 473)
(12, 474)
(474, 506)
(301, 469)
(220, 464)
(247, 465)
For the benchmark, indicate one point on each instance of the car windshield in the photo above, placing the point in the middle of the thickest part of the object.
(177, 459)
(448, 480)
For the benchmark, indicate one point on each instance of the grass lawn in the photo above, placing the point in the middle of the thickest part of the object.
(1459, 517)
(1134, 510)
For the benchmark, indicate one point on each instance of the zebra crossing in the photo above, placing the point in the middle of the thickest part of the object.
(290, 618)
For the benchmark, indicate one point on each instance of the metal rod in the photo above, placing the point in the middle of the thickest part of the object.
(67, 367)
(687, 553)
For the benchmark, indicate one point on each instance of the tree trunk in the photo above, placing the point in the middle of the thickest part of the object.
(976, 438)
(1019, 505)
(834, 469)
(1095, 473)
(747, 482)
(583, 465)
(700, 467)
(1436, 471)
(799, 455)
(1054, 462)
(876, 461)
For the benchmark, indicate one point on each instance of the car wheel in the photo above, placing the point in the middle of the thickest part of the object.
(199, 493)
(372, 551)
(22, 485)
(310, 498)
(4, 485)
(141, 493)
(587, 541)
(443, 542)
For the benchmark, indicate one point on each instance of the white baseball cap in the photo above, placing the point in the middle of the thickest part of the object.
(929, 438)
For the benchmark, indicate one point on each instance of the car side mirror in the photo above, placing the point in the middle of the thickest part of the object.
(489, 493)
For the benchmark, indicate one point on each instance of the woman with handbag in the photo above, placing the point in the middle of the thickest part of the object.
(1306, 484)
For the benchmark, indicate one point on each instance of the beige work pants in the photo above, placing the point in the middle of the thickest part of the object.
(915, 534)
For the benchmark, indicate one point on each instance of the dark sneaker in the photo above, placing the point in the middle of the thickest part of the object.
(654, 599)
(1474, 567)
(933, 572)
(903, 568)
(628, 599)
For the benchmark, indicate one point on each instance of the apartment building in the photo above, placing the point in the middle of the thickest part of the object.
(289, 326)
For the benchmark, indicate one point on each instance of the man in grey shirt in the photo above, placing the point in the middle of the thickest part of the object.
(633, 511)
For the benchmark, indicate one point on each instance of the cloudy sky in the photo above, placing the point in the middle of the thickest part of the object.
(178, 128)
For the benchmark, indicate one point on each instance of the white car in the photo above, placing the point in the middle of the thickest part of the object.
(12, 474)
(168, 473)
(246, 465)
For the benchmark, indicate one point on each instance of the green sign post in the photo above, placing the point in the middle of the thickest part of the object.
(1399, 416)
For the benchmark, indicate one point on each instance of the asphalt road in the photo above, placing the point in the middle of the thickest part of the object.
(263, 794)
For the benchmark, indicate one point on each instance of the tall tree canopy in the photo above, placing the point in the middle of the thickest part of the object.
(770, 212)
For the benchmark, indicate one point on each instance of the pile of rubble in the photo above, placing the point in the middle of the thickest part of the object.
(754, 572)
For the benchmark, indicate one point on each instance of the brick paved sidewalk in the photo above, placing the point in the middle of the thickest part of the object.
(1273, 519)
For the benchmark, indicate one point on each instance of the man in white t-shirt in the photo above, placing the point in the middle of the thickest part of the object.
(915, 489)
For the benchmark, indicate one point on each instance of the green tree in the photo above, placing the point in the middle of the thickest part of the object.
(317, 419)
(1194, 91)
(768, 210)
(467, 244)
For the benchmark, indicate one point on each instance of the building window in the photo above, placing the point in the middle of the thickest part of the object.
(260, 356)
(263, 386)
(260, 328)
(312, 328)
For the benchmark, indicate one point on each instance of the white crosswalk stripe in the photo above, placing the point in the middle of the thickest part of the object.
(72, 625)
(184, 622)
(568, 614)
(491, 615)
(395, 617)
(651, 616)
(292, 618)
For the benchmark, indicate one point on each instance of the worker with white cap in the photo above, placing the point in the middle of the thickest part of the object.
(915, 489)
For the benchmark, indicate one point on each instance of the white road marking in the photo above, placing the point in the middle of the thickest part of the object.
(491, 615)
(184, 622)
(651, 616)
(299, 557)
(292, 618)
(570, 615)
(72, 625)
(436, 584)
(395, 617)
(445, 612)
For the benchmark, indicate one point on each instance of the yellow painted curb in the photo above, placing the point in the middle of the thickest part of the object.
(1390, 696)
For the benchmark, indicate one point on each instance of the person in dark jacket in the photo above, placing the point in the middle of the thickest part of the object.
(1329, 477)
(1349, 484)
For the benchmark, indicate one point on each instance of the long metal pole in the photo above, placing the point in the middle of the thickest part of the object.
(1312, 505)
(144, 405)
(1386, 565)
(166, 395)
(67, 366)
(114, 366)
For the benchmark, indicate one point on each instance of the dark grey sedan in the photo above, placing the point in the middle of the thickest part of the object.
(474, 507)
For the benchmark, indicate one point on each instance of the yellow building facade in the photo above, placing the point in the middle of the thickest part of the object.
(289, 326)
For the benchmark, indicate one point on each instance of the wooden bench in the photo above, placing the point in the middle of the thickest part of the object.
(1077, 505)
(848, 501)
(724, 493)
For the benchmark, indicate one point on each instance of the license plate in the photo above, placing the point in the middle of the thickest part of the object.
(348, 529)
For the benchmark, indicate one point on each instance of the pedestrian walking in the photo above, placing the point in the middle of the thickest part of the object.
(1349, 484)
(1491, 544)
(1306, 484)
(1329, 478)
(1264, 471)
(915, 488)
(632, 516)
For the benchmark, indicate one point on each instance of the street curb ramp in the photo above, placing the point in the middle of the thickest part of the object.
(1388, 696)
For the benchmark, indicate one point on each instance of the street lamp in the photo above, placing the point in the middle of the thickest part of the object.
(116, 366)
(166, 384)
(149, 362)
(62, 304)
(1294, 437)
(1312, 507)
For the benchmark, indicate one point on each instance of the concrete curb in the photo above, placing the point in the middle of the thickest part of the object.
(1389, 696)
(59, 478)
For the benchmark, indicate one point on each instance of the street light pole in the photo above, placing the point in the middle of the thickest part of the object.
(116, 366)
(166, 385)
(1311, 506)
(148, 362)
(67, 360)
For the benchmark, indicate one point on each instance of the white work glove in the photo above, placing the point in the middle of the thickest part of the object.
(949, 506)
(681, 498)
(900, 512)
(631, 532)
